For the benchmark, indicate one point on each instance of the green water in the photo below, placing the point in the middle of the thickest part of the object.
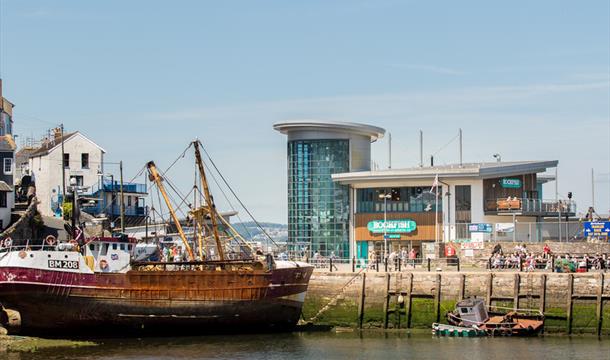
(331, 345)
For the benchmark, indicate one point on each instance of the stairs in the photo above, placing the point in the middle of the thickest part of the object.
(340, 296)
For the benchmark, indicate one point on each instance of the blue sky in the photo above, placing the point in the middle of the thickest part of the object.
(527, 79)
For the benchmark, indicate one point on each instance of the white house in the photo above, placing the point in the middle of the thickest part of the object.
(82, 159)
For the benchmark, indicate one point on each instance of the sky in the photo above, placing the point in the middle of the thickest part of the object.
(529, 80)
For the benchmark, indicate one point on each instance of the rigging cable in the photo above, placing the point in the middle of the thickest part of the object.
(233, 192)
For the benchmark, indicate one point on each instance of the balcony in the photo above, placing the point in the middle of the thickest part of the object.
(114, 210)
(533, 207)
(115, 186)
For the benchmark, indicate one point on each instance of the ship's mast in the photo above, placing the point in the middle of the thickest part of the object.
(154, 176)
(211, 208)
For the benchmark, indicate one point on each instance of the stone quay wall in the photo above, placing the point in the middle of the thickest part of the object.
(527, 287)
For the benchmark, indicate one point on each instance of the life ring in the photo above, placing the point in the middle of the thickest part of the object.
(8, 242)
(50, 240)
(103, 264)
(75, 244)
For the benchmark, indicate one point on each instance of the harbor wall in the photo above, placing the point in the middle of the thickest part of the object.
(552, 293)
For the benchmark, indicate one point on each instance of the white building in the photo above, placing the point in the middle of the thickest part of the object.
(82, 159)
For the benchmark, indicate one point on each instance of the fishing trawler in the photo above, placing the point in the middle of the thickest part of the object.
(95, 286)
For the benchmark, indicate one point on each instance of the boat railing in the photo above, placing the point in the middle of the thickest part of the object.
(198, 265)
(27, 248)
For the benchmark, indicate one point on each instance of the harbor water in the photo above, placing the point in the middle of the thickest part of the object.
(331, 345)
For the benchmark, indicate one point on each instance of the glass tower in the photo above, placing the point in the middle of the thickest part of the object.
(318, 208)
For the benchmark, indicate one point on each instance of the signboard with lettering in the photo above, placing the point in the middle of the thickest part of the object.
(596, 228)
(63, 264)
(392, 226)
(480, 228)
(478, 245)
(510, 183)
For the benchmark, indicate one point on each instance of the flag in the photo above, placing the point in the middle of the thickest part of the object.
(434, 184)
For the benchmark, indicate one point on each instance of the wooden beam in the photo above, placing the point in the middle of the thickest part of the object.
(462, 293)
(437, 298)
(409, 299)
(570, 304)
(517, 281)
(542, 302)
(386, 302)
(490, 283)
(361, 305)
(599, 311)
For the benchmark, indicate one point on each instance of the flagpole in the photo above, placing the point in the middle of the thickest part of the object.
(436, 214)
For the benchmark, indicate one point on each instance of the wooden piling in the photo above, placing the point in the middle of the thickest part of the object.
(386, 303)
(570, 304)
(409, 299)
(437, 298)
(517, 280)
(462, 293)
(361, 305)
(599, 311)
(542, 298)
(490, 283)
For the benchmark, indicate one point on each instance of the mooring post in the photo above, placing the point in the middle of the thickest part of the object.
(385, 264)
(489, 263)
(409, 299)
(462, 293)
(570, 303)
(520, 263)
(517, 280)
(386, 303)
(377, 263)
(330, 263)
(599, 311)
(458, 264)
(552, 263)
(361, 305)
(490, 282)
(399, 265)
(542, 294)
(428, 264)
(354, 264)
(437, 298)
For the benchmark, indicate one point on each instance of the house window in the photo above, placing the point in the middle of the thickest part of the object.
(3, 199)
(66, 161)
(8, 166)
(84, 161)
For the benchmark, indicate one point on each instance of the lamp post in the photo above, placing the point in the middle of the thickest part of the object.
(385, 198)
(74, 190)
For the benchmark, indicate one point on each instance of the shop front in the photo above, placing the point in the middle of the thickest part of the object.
(402, 230)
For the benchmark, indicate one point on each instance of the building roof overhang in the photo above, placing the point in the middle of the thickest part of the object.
(454, 171)
(373, 132)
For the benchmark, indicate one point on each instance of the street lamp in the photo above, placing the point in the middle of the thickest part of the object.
(385, 198)
(498, 157)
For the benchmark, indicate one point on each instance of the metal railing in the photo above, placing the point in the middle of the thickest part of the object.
(115, 186)
(387, 265)
(532, 206)
(562, 263)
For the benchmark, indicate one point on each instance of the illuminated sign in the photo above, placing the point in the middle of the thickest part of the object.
(511, 183)
(392, 226)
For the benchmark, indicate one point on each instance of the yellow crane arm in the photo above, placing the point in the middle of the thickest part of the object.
(156, 178)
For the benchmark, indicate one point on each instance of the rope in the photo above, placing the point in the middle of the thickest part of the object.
(234, 194)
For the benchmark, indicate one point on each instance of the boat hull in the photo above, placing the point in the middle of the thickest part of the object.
(167, 302)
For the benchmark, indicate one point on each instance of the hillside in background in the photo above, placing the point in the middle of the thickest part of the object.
(251, 232)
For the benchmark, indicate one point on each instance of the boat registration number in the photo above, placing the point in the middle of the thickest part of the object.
(63, 264)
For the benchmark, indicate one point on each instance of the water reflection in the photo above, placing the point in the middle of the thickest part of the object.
(350, 345)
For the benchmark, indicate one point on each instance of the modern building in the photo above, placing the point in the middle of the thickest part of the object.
(319, 208)
(7, 160)
(475, 202)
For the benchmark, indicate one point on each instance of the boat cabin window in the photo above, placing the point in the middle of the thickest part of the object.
(113, 246)
(91, 247)
(122, 246)
(464, 310)
(129, 247)
(104, 249)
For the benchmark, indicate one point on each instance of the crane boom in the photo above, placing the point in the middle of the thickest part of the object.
(156, 178)
(209, 201)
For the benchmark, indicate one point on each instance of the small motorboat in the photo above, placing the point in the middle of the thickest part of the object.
(472, 313)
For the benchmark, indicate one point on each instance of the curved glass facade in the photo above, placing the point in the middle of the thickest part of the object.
(318, 208)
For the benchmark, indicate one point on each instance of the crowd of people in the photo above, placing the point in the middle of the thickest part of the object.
(522, 259)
